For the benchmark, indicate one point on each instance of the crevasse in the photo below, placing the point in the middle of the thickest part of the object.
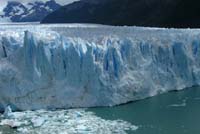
(49, 66)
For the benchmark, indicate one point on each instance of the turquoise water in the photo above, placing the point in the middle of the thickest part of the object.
(170, 113)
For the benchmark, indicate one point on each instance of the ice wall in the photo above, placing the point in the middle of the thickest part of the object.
(50, 66)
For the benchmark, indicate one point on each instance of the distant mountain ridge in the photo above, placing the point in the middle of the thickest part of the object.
(153, 13)
(31, 12)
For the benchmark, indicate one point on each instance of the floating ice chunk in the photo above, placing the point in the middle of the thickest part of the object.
(23, 130)
(66, 122)
(183, 104)
(11, 123)
(7, 112)
(37, 122)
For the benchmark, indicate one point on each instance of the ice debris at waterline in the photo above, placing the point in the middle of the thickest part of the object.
(75, 121)
(63, 66)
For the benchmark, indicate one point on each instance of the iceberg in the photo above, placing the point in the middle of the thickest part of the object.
(64, 66)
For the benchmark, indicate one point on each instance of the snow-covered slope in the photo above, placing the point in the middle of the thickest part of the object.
(62, 66)
(28, 12)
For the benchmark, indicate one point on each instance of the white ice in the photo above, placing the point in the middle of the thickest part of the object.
(74, 121)
(64, 66)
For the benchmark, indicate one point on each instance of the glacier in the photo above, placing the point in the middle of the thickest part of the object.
(76, 65)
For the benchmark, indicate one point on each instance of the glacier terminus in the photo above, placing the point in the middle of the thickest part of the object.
(75, 65)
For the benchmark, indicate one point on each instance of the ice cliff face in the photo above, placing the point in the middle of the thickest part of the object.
(50, 66)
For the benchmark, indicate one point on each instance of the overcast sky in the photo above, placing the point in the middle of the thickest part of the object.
(4, 2)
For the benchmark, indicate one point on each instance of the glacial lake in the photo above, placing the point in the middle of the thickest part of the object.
(175, 112)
